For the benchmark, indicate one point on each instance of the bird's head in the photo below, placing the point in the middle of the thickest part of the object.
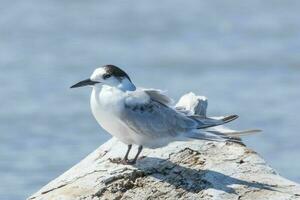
(108, 75)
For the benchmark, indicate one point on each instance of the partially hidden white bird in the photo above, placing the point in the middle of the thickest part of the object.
(145, 117)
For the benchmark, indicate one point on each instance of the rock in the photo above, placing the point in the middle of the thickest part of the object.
(182, 170)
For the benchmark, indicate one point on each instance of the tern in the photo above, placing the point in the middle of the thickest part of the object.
(146, 117)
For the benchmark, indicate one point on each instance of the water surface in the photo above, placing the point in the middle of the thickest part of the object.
(244, 56)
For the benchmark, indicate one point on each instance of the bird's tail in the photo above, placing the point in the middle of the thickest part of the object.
(220, 134)
(209, 128)
(223, 130)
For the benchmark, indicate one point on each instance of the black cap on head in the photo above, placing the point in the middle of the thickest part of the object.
(115, 71)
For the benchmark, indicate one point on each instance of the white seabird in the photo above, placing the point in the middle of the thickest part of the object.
(145, 117)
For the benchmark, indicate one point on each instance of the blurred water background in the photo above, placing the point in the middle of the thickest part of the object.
(243, 55)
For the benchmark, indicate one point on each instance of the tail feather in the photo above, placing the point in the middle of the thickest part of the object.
(205, 136)
(220, 135)
(209, 136)
(236, 133)
(209, 128)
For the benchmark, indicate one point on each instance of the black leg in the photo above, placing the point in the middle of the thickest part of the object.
(137, 155)
(126, 161)
(127, 153)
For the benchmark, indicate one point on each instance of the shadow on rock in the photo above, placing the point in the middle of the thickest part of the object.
(192, 180)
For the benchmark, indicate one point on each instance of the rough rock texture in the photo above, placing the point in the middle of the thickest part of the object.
(182, 170)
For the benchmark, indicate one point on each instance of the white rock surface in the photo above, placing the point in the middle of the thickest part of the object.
(183, 170)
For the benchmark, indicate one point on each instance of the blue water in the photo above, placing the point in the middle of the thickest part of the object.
(243, 55)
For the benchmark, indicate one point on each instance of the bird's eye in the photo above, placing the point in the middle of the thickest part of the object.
(105, 76)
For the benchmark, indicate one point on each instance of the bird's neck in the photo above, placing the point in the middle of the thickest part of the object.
(126, 85)
(121, 88)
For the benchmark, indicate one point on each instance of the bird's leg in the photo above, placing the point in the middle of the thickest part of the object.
(120, 160)
(127, 153)
(138, 153)
(131, 162)
(126, 161)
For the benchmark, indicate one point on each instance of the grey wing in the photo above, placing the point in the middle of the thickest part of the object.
(155, 119)
(159, 96)
(206, 122)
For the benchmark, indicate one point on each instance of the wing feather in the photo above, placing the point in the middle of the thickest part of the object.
(159, 96)
(155, 119)
(149, 115)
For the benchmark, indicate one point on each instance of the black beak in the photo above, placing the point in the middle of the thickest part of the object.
(84, 83)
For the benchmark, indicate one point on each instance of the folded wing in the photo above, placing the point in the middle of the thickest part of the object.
(146, 113)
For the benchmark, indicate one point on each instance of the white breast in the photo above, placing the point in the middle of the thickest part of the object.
(106, 104)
